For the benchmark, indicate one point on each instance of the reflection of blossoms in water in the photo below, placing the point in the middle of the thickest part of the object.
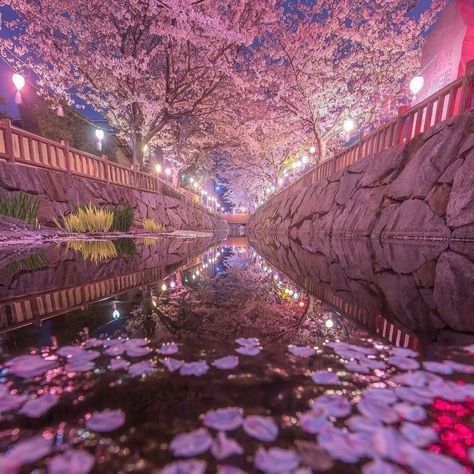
(391, 419)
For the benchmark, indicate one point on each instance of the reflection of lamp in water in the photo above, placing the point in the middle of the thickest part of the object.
(115, 313)
(164, 287)
(172, 284)
(329, 323)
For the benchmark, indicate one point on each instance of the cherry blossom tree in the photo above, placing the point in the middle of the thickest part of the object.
(328, 61)
(141, 63)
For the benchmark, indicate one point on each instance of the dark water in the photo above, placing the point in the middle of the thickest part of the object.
(396, 306)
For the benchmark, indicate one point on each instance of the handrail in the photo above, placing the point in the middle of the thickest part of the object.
(26, 148)
(450, 101)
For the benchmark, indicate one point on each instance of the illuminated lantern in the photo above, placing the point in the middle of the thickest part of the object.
(416, 84)
(312, 150)
(348, 125)
(158, 168)
(19, 82)
(100, 136)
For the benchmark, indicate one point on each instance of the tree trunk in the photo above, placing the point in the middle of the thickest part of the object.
(137, 143)
(323, 150)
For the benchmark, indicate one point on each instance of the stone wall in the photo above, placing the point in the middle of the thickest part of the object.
(424, 189)
(425, 289)
(59, 193)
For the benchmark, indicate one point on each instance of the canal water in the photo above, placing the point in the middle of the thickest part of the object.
(237, 355)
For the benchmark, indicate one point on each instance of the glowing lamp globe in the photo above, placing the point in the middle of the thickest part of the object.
(164, 287)
(116, 314)
(329, 323)
(18, 81)
(158, 168)
(99, 134)
(312, 150)
(348, 125)
(168, 171)
(416, 84)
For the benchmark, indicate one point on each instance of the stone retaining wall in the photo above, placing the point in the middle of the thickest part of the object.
(421, 190)
(59, 193)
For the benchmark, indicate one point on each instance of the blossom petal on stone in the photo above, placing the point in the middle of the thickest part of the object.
(313, 421)
(145, 367)
(460, 368)
(10, 401)
(410, 412)
(171, 364)
(334, 405)
(342, 445)
(168, 348)
(105, 421)
(362, 423)
(403, 352)
(191, 466)
(314, 456)
(28, 366)
(224, 447)
(301, 351)
(385, 395)
(223, 419)
(358, 367)
(74, 461)
(426, 462)
(403, 363)
(118, 364)
(80, 366)
(138, 351)
(276, 460)
(194, 368)
(37, 407)
(261, 428)
(324, 377)
(248, 341)
(30, 450)
(226, 363)
(418, 435)
(381, 467)
(372, 408)
(249, 350)
(191, 443)
(438, 367)
(226, 469)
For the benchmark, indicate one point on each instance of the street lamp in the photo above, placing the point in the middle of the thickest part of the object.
(99, 133)
(19, 82)
(416, 84)
(348, 125)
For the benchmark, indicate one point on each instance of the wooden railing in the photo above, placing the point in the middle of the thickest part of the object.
(19, 146)
(453, 100)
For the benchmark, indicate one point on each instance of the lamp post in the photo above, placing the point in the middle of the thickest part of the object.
(99, 134)
(19, 82)
(416, 84)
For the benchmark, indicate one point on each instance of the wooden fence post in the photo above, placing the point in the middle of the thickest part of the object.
(105, 160)
(67, 156)
(467, 87)
(9, 151)
(398, 135)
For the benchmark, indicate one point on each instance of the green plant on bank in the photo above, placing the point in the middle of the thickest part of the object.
(123, 218)
(150, 225)
(125, 247)
(28, 264)
(94, 250)
(21, 206)
(87, 218)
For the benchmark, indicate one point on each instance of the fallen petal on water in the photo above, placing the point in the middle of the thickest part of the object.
(325, 378)
(224, 447)
(37, 407)
(226, 363)
(194, 368)
(261, 428)
(105, 421)
(191, 443)
(74, 461)
(301, 351)
(276, 460)
(191, 466)
(224, 419)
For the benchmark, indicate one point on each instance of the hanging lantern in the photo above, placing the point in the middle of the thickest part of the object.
(100, 136)
(19, 82)
(416, 84)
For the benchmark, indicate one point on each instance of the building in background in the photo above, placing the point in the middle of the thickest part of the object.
(448, 48)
